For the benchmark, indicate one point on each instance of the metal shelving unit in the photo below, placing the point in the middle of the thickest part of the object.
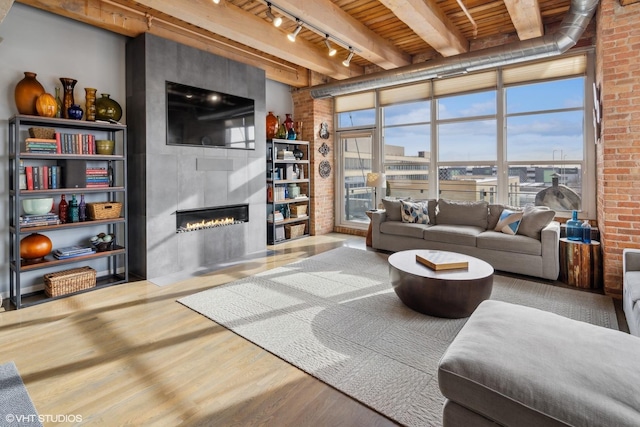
(277, 180)
(113, 263)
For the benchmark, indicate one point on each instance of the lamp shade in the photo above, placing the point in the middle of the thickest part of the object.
(375, 179)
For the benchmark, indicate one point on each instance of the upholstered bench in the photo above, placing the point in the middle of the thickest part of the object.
(519, 366)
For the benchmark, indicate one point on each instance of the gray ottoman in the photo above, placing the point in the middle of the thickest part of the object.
(519, 366)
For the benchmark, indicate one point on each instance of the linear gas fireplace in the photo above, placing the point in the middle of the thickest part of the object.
(200, 219)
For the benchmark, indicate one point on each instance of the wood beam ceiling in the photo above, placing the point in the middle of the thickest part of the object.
(526, 17)
(131, 20)
(428, 21)
(325, 15)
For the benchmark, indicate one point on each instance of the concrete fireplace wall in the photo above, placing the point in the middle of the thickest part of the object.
(163, 179)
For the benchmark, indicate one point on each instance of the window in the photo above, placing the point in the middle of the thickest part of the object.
(515, 135)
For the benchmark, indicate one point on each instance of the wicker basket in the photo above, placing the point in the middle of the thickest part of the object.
(299, 210)
(293, 231)
(44, 133)
(68, 281)
(104, 210)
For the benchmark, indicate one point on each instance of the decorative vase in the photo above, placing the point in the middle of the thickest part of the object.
(74, 212)
(282, 131)
(574, 228)
(63, 208)
(107, 109)
(288, 122)
(59, 102)
(297, 153)
(46, 105)
(27, 92)
(90, 103)
(272, 125)
(298, 130)
(74, 112)
(35, 247)
(67, 100)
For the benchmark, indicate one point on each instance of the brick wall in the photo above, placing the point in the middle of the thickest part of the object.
(618, 154)
(312, 113)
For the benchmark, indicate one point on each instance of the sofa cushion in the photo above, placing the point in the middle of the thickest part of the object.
(455, 234)
(414, 212)
(632, 278)
(534, 219)
(506, 243)
(509, 221)
(462, 213)
(398, 228)
(393, 208)
(521, 366)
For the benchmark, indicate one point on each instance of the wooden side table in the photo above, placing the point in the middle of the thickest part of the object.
(369, 232)
(580, 264)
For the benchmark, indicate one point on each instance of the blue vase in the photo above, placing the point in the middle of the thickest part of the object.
(75, 112)
(574, 228)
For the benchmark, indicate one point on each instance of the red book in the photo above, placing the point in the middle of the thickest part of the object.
(58, 143)
(28, 170)
(45, 177)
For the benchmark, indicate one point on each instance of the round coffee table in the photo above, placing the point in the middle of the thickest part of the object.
(451, 293)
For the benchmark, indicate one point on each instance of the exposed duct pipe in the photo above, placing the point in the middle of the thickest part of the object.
(570, 31)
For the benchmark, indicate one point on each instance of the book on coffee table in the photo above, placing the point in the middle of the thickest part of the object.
(440, 261)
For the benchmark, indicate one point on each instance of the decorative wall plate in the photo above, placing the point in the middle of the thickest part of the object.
(324, 149)
(324, 130)
(324, 168)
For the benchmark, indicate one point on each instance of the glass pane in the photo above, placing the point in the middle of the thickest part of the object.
(556, 186)
(552, 136)
(408, 140)
(412, 112)
(471, 140)
(471, 183)
(357, 118)
(471, 105)
(407, 161)
(554, 95)
(357, 163)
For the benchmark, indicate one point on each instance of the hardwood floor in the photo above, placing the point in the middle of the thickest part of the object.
(131, 355)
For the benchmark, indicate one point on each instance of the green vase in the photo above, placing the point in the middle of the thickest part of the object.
(107, 109)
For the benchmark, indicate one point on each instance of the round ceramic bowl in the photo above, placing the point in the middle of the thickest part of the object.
(104, 146)
(37, 206)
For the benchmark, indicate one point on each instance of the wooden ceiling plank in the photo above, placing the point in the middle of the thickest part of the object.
(234, 23)
(112, 17)
(526, 17)
(326, 16)
(426, 19)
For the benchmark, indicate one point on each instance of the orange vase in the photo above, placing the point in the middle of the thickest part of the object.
(272, 125)
(27, 92)
(35, 247)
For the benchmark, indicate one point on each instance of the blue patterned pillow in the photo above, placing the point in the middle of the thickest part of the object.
(509, 221)
(415, 212)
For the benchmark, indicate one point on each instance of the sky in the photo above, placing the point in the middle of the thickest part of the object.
(535, 137)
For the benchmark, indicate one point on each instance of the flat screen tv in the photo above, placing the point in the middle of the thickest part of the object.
(206, 118)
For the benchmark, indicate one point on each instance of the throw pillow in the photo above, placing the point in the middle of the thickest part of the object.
(393, 208)
(534, 219)
(509, 221)
(416, 213)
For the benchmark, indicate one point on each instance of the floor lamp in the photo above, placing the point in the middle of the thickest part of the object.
(375, 180)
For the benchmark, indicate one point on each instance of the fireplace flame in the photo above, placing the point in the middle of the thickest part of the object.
(191, 226)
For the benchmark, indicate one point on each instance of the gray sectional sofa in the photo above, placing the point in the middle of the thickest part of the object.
(469, 228)
(631, 289)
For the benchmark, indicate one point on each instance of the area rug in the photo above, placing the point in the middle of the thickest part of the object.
(16, 407)
(336, 317)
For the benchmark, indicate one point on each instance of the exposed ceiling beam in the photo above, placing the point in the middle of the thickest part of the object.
(131, 22)
(5, 5)
(234, 23)
(526, 17)
(325, 15)
(428, 21)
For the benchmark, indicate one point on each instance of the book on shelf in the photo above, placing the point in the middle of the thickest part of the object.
(441, 261)
(57, 255)
(43, 217)
(43, 223)
(73, 249)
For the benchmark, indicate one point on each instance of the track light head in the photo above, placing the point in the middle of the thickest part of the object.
(277, 21)
(292, 36)
(216, 1)
(332, 50)
(347, 61)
